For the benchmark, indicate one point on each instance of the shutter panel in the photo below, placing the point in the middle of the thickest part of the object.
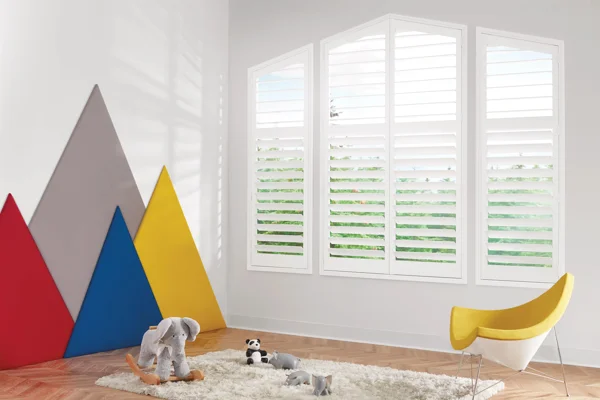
(519, 128)
(355, 155)
(426, 147)
(279, 162)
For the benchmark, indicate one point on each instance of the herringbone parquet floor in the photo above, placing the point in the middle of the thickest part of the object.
(73, 379)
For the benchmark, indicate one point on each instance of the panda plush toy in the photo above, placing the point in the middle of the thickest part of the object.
(254, 353)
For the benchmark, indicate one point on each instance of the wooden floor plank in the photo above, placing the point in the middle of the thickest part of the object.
(73, 379)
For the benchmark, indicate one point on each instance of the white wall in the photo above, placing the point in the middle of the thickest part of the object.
(411, 313)
(162, 68)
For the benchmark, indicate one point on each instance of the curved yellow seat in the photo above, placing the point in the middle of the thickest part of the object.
(518, 323)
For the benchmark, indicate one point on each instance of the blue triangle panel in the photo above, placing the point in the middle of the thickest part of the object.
(119, 305)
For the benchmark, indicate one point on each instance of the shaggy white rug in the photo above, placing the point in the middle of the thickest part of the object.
(229, 378)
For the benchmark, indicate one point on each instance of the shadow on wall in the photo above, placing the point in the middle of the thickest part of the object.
(220, 168)
(165, 105)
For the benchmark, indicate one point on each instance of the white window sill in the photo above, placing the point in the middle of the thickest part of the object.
(306, 271)
(516, 284)
(413, 278)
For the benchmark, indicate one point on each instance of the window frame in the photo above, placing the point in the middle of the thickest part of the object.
(266, 67)
(462, 154)
(481, 186)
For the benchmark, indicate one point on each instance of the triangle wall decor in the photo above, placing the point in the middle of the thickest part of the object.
(119, 306)
(91, 179)
(35, 324)
(171, 260)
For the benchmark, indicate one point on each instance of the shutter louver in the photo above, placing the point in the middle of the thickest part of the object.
(426, 151)
(279, 164)
(356, 153)
(519, 129)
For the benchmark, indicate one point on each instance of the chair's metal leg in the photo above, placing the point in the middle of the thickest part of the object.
(477, 378)
(561, 363)
(542, 374)
(471, 371)
(462, 357)
(498, 382)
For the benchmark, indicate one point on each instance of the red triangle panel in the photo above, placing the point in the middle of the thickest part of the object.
(36, 324)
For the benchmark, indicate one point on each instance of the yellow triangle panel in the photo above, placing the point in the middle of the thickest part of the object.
(171, 260)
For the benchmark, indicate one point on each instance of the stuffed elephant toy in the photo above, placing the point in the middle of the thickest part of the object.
(322, 385)
(167, 342)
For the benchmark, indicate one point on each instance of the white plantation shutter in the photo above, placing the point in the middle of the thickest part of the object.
(279, 166)
(356, 154)
(520, 126)
(392, 126)
(426, 146)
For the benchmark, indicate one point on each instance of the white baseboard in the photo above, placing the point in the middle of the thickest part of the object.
(547, 353)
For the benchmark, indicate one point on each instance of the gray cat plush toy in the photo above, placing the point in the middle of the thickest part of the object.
(298, 378)
(284, 361)
(322, 385)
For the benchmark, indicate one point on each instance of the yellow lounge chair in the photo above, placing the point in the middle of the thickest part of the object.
(511, 337)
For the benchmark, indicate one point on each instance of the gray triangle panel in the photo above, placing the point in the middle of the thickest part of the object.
(91, 179)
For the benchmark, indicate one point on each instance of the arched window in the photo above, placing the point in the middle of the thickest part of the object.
(393, 124)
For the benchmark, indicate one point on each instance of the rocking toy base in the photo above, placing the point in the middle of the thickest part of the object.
(153, 379)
